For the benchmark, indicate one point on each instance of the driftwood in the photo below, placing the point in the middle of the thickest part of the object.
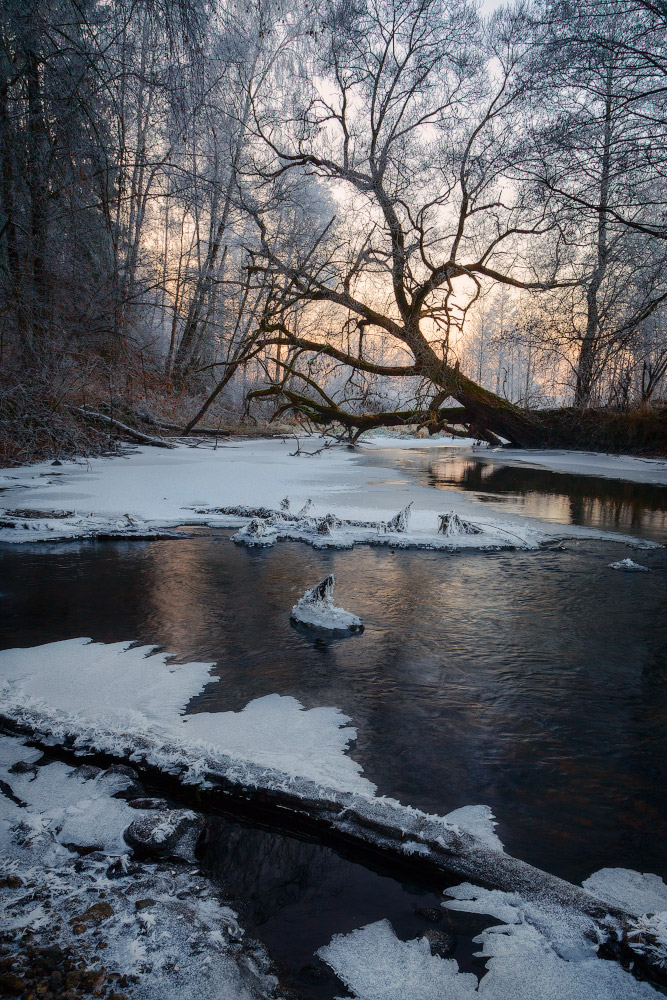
(131, 432)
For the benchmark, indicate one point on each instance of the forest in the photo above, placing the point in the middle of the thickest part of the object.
(358, 214)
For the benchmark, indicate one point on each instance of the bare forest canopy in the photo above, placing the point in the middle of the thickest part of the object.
(362, 213)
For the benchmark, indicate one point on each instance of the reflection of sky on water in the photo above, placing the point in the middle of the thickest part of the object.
(557, 497)
(535, 682)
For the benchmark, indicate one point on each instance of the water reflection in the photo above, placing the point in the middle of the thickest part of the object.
(534, 682)
(562, 498)
(295, 895)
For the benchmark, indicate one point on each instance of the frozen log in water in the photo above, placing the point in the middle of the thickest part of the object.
(451, 524)
(317, 608)
(400, 521)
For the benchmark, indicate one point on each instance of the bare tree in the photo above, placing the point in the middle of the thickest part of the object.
(414, 130)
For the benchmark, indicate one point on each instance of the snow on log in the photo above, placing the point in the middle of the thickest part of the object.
(284, 765)
(131, 432)
(629, 566)
(450, 525)
(317, 608)
(400, 521)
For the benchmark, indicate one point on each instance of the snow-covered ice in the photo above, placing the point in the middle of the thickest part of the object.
(316, 608)
(637, 892)
(375, 965)
(148, 491)
(113, 694)
(533, 954)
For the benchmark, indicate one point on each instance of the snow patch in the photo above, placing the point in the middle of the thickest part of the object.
(375, 965)
(118, 697)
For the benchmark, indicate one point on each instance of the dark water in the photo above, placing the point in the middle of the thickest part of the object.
(294, 895)
(560, 497)
(534, 682)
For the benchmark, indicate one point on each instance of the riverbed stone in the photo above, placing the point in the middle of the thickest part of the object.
(166, 831)
(441, 944)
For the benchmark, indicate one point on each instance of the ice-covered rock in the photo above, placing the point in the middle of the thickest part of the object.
(167, 831)
(450, 525)
(629, 566)
(317, 608)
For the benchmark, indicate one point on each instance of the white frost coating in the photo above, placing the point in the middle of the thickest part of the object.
(629, 566)
(317, 608)
(161, 489)
(375, 965)
(450, 525)
(542, 953)
(633, 891)
(184, 944)
(479, 822)
(118, 696)
(648, 936)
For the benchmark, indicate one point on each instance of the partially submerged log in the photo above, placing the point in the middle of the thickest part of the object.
(409, 840)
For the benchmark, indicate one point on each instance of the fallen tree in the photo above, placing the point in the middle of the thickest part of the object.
(421, 149)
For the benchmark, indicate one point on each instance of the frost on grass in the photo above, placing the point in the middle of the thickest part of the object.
(629, 566)
(317, 608)
(119, 699)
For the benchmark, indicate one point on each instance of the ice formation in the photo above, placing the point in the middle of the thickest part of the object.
(629, 566)
(67, 884)
(451, 525)
(317, 608)
(375, 965)
(542, 951)
(524, 958)
(115, 695)
(637, 892)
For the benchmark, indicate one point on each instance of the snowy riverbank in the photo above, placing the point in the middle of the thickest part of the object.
(147, 492)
